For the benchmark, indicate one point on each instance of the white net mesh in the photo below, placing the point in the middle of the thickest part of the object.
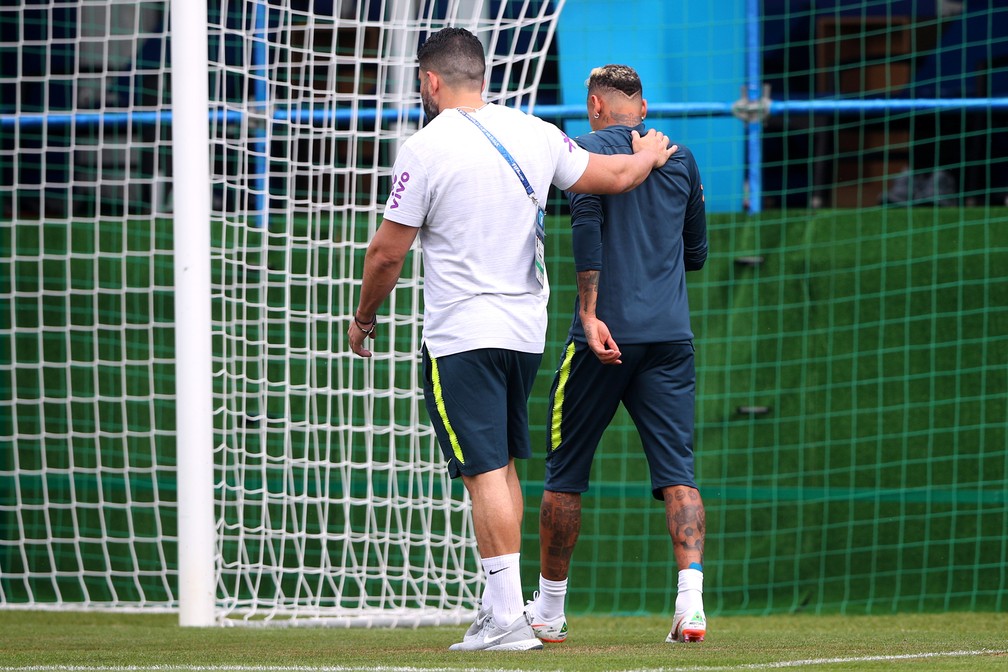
(333, 504)
(335, 499)
(87, 483)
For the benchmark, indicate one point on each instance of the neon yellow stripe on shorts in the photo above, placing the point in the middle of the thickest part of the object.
(439, 402)
(558, 398)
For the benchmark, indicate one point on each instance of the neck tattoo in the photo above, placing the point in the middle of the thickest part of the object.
(624, 119)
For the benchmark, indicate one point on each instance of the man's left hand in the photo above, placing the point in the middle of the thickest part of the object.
(600, 341)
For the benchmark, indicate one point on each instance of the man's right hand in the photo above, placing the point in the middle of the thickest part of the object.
(656, 142)
(358, 333)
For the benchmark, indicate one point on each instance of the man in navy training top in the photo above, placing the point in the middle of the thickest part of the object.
(630, 341)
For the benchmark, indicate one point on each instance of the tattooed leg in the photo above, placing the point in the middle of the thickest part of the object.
(559, 527)
(684, 513)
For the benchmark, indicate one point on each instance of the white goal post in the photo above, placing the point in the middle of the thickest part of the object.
(187, 427)
(193, 323)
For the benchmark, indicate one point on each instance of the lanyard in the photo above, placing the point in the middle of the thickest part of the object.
(507, 157)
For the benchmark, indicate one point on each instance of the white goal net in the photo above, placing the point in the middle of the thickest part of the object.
(332, 504)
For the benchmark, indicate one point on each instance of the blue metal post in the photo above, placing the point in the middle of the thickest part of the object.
(258, 161)
(755, 91)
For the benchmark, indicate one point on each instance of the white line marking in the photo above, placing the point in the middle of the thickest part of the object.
(388, 668)
(828, 661)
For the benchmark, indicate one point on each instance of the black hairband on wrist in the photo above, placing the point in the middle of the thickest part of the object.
(373, 322)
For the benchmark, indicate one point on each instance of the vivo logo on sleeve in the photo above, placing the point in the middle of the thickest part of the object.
(398, 187)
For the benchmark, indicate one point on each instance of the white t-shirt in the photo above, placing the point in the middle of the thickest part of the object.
(477, 224)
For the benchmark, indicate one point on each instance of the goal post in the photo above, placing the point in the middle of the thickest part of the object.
(193, 327)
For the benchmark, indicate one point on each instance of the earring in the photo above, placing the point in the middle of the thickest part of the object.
(596, 115)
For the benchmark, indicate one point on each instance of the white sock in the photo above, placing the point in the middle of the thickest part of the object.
(690, 597)
(550, 603)
(503, 589)
(485, 603)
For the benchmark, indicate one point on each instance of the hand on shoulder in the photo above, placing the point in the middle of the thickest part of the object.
(656, 143)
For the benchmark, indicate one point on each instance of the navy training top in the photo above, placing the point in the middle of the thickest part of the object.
(642, 242)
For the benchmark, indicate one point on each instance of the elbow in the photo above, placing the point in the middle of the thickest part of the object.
(382, 260)
(696, 261)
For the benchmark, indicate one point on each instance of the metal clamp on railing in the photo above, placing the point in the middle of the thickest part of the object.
(749, 110)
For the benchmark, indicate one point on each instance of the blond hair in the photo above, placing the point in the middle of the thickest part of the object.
(610, 78)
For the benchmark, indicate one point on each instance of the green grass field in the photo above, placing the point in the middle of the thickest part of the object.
(876, 486)
(64, 642)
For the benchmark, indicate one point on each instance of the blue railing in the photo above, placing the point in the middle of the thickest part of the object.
(847, 107)
(751, 111)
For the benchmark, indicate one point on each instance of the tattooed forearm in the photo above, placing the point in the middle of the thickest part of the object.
(587, 282)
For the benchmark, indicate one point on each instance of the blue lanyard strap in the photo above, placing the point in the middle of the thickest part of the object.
(507, 156)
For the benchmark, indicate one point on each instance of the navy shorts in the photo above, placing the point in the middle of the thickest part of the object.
(478, 404)
(656, 383)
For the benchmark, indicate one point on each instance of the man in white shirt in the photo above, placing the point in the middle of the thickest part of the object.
(471, 184)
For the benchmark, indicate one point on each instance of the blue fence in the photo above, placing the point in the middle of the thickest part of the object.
(730, 146)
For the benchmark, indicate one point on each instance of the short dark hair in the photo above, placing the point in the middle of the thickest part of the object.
(611, 77)
(456, 55)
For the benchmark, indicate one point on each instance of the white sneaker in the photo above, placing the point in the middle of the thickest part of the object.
(477, 625)
(517, 636)
(688, 627)
(552, 630)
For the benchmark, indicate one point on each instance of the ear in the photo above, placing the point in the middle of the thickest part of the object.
(594, 106)
(433, 81)
(643, 108)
